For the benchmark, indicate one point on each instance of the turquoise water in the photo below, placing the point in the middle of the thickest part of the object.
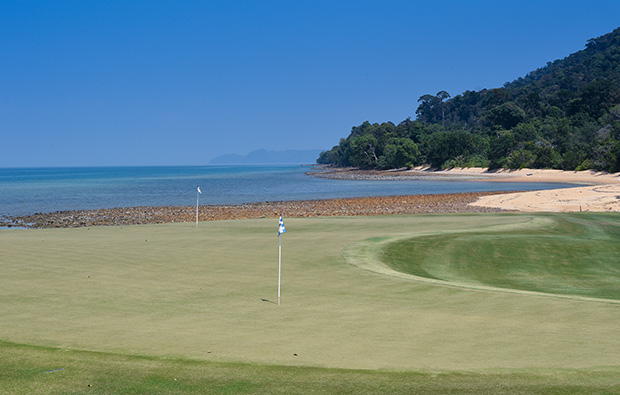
(28, 191)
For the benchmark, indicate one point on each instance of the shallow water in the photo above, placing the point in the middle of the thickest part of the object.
(32, 190)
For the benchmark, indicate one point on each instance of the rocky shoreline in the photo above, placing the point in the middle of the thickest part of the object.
(426, 174)
(382, 205)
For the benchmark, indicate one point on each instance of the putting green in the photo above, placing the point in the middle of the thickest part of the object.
(207, 293)
(574, 255)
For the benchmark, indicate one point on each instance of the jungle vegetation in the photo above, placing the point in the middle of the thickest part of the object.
(565, 115)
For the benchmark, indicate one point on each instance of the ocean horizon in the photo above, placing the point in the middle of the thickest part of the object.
(25, 191)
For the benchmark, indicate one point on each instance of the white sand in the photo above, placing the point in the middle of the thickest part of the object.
(603, 196)
(589, 177)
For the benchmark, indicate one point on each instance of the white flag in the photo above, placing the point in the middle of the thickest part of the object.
(199, 191)
(281, 228)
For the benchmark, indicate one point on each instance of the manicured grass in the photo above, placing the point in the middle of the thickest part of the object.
(128, 309)
(28, 370)
(577, 255)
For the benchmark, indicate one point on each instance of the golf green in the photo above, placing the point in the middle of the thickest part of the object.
(578, 255)
(208, 293)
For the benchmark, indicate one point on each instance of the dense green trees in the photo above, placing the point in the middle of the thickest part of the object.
(399, 152)
(565, 115)
(383, 146)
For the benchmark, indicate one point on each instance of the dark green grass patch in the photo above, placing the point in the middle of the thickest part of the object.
(578, 255)
(38, 370)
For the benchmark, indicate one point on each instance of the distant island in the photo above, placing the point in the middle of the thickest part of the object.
(565, 115)
(262, 156)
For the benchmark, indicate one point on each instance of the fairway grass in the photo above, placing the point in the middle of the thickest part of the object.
(126, 307)
(31, 370)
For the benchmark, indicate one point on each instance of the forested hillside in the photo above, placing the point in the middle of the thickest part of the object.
(565, 115)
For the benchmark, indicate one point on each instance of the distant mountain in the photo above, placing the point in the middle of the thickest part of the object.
(262, 156)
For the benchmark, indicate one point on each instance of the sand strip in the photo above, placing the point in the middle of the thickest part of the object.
(587, 177)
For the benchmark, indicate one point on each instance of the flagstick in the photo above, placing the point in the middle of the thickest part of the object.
(279, 264)
(197, 195)
(281, 229)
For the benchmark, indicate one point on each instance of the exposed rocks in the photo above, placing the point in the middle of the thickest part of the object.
(417, 174)
(382, 205)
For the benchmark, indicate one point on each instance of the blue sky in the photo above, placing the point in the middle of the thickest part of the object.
(110, 83)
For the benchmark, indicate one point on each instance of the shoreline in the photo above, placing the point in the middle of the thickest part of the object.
(602, 195)
(379, 205)
(586, 177)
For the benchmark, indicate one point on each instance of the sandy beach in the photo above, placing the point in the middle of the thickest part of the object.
(602, 196)
(587, 177)
(601, 193)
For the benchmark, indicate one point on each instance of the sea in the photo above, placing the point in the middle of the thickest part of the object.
(26, 191)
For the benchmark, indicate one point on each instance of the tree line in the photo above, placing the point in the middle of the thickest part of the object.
(565, 115)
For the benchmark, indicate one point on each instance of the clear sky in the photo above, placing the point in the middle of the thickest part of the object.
(179, 82)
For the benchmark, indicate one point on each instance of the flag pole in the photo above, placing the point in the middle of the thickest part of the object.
(279, 264)
(281, 229)
(197, 195)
